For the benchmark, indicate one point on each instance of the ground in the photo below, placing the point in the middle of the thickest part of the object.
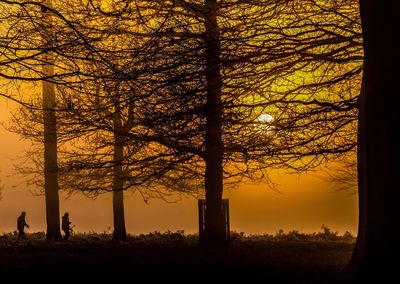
(178, 258)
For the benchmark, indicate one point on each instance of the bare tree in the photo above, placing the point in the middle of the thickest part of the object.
(232, 89)
(234, 72)
(91, 110)
(210, 81)
(37, 41)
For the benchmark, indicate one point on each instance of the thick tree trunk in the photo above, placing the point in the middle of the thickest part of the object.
(50, 146)
(381, 151)
(118, 193)
(214, 230)
(362, 197)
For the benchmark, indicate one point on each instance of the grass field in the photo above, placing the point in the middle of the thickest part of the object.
(175, 257)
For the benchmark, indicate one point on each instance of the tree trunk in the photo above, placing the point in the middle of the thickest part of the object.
(50, 145)
(214, 229)
(362, 197)
(118, 193)
(381, 152)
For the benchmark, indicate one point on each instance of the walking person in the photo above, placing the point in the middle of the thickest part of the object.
(21, 224)
(65, 226)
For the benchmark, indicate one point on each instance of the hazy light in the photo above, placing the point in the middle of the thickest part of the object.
(265, 118)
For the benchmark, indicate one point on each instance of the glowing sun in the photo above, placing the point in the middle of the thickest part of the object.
(265, 118)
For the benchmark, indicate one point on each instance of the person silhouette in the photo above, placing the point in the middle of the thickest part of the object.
(21, 224)
(65, 226)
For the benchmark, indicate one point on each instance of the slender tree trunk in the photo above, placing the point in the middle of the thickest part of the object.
(50, 144)
(214, 231)
(118, 193)
(381, 153)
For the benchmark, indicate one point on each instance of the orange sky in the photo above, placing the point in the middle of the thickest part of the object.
(306, 203)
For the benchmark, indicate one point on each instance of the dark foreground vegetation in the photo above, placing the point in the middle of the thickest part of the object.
(175, 257)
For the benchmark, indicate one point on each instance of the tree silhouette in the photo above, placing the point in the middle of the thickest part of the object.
(42, 41)
(304, 128)
(99, 111)
(210, 70)
(377, 245)
(36, 51)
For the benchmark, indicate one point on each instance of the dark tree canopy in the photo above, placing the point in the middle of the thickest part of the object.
(199, 93)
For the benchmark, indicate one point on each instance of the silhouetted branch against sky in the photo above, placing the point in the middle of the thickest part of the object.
(297, 61)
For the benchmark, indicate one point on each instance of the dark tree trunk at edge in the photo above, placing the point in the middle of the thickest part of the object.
(378, 251)
(362, 197)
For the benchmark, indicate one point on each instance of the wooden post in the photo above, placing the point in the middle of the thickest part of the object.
(227, 220)
(201, 205)
(225, 213)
